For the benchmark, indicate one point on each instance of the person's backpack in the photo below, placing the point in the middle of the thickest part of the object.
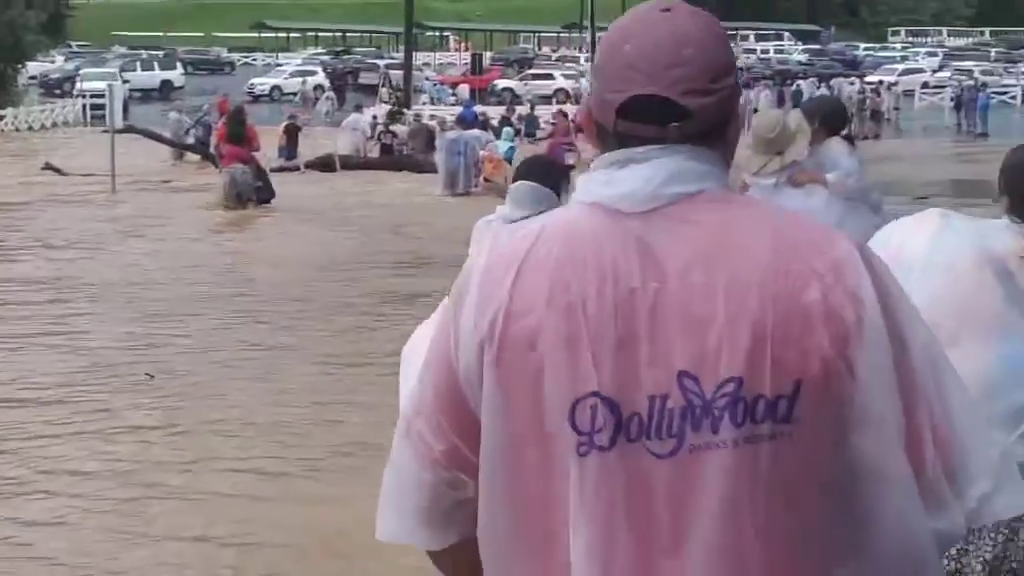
(509, 155)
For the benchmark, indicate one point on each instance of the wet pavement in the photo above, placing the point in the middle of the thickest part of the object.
(1006, 124)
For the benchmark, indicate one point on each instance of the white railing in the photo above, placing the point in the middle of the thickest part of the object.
(432, 59)
(544, 111)
(943, 97)
(86, 109)
(48, 116)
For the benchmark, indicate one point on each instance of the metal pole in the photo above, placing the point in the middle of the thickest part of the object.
(410, 47)
(623, 9)
(583, 14)
(593, 31)
(112, 127)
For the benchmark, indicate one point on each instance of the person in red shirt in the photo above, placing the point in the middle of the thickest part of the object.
(237, 141)
(223, 105)
(238, 117)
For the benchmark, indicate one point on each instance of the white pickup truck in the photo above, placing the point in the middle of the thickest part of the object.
(148, 75)
(91, 87)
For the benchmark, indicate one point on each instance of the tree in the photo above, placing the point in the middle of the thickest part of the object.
(27, 26)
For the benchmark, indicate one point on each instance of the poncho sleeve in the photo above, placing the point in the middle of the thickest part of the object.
(429, 488)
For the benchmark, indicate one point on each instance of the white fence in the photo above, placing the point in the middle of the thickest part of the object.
(544, 112)
(41, 117)
(943, 97)
(432, 59)
(90, 109)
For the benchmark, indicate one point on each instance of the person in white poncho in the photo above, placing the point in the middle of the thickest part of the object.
(354, 133)
(966, 276)
(830, 184)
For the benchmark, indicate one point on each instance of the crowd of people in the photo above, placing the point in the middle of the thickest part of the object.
(871, 108)
(712, 355)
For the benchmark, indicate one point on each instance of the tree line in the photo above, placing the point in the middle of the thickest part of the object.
(26, 27)
(872, 16)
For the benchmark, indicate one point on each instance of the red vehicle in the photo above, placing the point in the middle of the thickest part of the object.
(462, 76)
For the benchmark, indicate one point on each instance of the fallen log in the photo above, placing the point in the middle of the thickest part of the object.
(159, 138)
(347, 163)
(50, 167)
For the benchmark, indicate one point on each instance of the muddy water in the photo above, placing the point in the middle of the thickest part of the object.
(271, 337)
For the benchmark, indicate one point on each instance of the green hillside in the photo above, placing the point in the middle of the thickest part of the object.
(94, 20)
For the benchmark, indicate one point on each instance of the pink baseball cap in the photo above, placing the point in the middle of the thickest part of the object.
(671, 49)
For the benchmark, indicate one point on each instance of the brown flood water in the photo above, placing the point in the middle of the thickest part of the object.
(273, 338)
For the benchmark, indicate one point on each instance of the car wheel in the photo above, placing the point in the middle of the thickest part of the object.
(318, 92)
(508, 96)
(229, 68)
(190, 69)
(165, 90)
(560, 96)
(275, 93)
(125, 109)
(254, 98)
(925, 86)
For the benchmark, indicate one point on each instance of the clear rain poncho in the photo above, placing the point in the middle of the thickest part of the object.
(662, 378)
(966, 276)
(523, 200)
(849, 204)
(458, 161)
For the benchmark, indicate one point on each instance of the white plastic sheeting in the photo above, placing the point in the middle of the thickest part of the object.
(966, 276)
(662, 379)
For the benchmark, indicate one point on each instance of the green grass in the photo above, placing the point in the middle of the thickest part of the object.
(95, 20)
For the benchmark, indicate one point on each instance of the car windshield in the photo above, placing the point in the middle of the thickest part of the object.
(887, 71)
(98, 76)
(278, 73)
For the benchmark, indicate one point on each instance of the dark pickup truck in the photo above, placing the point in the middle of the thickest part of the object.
(195, 60)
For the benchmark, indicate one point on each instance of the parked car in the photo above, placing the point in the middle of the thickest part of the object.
(847, 59)
(517, 57)
(908, 77)
(59, 82)
(808, 53)
(458, 76)
(206, 60)
(94, 81)
(160, 76)
(990, 75)
(826, 70)
(286, 81)
(930, 57)
(371, 72)
(561, 86)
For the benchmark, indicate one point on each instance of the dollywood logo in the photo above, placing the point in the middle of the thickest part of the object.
(665, 428)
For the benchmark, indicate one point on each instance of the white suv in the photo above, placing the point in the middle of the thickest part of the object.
(561, 86)
(967, 72)
(162, 76)
(908, 77)
(287, 80)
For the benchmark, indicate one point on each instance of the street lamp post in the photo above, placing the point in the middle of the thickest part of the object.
(409, 34)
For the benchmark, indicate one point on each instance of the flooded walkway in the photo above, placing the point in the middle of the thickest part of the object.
(272, 340)
(188, 392)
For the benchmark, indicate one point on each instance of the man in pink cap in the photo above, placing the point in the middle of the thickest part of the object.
(666, 378)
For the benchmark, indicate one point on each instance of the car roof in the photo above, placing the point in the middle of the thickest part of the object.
(99, 70)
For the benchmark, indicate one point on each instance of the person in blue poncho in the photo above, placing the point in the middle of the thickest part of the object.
(468, 115)
(984, 104)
